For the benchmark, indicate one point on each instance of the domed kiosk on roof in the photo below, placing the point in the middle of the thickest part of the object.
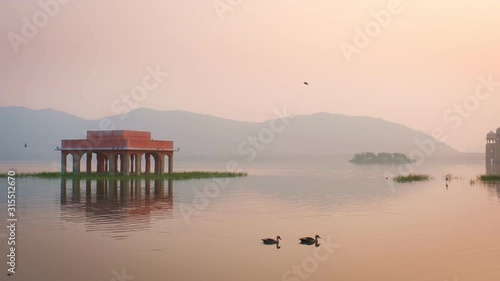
(491, 136)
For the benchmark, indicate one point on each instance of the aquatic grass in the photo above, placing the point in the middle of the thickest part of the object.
(411, 178)
(489, 178)
(187, 175)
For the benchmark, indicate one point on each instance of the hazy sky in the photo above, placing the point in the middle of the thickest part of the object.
(239, 59)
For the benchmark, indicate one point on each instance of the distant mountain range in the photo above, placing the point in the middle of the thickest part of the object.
(204, 135)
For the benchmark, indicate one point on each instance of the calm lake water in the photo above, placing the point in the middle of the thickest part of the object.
(160, 230)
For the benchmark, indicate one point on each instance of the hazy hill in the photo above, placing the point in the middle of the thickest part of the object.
(198, 134)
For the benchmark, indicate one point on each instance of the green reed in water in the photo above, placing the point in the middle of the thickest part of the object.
(489, 178)
(412, 178)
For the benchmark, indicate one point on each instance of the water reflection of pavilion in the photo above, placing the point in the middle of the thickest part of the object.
(116, 207)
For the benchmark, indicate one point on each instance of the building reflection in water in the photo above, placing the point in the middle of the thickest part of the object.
(116, 207)
(493, 168)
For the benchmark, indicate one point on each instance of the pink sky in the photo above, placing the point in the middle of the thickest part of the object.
(249, 57)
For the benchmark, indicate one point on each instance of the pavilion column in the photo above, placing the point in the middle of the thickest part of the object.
(126, 164)
(132, 162)
(148, 163)
(154, 164)
(112, 164)
(98, 159)
(106, 164)
(121, 163)
(63, 162)
(170, 163)
(89, 162)
(115, 161)
(76, 163)
(100, 163)
(138, 164)
(154, 169)
(161, 164)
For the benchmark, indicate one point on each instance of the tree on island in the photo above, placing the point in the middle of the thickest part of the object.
(380, 158)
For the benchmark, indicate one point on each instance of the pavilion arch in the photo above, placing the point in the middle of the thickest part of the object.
(66, 162)
(157, 163)
(102, 162)
(89, 159)
(136, 162)
(72, 159)
(168, 161)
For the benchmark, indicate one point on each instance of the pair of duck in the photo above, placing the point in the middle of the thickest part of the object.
(303, 240)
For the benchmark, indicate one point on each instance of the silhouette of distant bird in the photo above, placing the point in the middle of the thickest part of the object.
(305, 83)
(25, 145)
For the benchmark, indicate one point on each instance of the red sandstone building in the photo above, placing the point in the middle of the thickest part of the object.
(119, 152)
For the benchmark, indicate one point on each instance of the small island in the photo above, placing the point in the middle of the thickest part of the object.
(381, 158)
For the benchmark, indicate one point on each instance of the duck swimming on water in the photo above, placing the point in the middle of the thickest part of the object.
(309, 240)
(270, 241)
